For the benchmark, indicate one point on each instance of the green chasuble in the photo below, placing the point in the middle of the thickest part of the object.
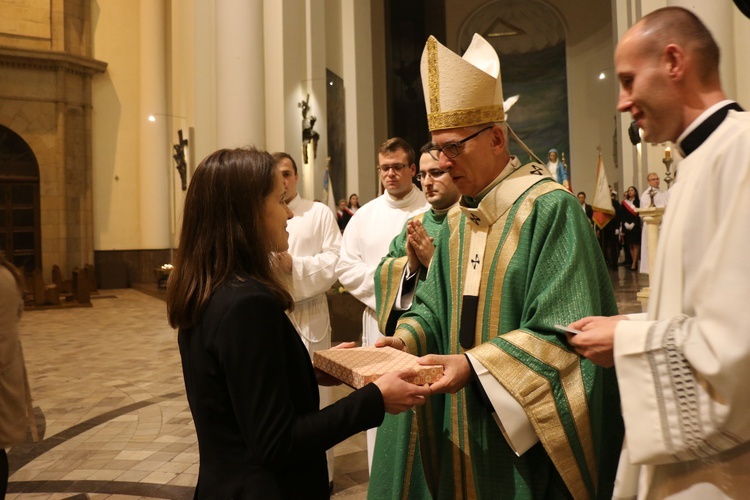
(527, 258)
(391, 269)
(396, 446)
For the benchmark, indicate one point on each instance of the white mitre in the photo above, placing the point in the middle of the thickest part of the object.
(461, 91)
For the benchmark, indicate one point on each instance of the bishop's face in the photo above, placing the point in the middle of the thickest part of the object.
(480, 159)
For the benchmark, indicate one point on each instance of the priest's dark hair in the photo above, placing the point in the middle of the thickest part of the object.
(394, 144)
(277, 157)
(222, 236)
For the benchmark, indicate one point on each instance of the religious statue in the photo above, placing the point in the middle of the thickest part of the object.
(179, 158)
(557, 168)
(308, 134)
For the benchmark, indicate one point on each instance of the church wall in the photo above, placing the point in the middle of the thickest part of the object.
(116, 124)
(45, 97)
(741, 61)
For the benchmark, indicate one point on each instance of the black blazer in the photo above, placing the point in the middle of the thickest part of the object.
(254, 399)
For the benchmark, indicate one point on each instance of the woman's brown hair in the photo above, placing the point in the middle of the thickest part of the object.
(222, 236)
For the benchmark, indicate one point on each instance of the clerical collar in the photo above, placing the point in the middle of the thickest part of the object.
(294, 202)
(473, 201)
(444, 211)
(407, 200)
(703, 126)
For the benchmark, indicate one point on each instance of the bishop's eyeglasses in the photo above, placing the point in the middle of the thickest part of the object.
(453, 149)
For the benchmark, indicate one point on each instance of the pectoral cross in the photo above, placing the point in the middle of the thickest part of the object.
(475, 261)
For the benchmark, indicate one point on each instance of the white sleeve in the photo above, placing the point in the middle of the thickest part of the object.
(509, 414)
(683, 378)
(356, 275)
(314, 274)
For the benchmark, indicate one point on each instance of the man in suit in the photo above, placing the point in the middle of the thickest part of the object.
(586, 207)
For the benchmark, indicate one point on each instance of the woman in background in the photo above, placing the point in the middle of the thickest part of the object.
(14, 390)
(353, 204)
(250, 384)
(343, 214)
(631, 226)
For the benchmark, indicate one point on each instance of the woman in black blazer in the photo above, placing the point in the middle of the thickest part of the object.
(250, 384)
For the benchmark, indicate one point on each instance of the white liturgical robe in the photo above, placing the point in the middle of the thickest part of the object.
(366, 240)
(683, 373)
(314, 244)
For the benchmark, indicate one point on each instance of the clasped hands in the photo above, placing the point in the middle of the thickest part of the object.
(456, 370)
(419, 245)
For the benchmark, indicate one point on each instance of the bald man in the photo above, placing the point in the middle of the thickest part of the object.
(683, 367)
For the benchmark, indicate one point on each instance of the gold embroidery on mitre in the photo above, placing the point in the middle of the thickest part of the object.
(434, 75)
(463, 117)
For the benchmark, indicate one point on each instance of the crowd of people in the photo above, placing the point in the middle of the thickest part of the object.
(491, 270)
(476, 272)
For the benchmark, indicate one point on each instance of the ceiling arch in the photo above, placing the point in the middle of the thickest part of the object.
(514, 26)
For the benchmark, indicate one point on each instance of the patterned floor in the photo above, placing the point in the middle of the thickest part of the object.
(108, 390)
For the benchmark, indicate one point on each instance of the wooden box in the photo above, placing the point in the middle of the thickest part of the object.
(359, 366)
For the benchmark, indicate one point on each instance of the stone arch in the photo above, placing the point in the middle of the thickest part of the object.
(20, 239)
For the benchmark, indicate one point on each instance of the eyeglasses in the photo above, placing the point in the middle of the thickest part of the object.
(454, 148)
(397, 167)
(435, 173)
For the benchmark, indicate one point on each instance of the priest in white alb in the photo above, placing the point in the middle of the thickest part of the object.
(683, 369)
(310, 268)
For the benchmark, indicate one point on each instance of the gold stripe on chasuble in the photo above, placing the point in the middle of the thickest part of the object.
(539, 402)
(410, 454)
(487, 330)
(433, 75)
(568, 366)
(415, 342)
(390, 280)
(463, 474)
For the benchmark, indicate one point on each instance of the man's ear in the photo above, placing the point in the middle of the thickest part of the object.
(674, 58)
(499, 139)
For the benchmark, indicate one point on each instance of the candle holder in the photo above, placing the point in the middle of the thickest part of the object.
(668, 177)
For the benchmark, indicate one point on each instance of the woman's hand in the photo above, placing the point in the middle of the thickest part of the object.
(400, 395)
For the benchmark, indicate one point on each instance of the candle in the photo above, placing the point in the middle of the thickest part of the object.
(667, 153)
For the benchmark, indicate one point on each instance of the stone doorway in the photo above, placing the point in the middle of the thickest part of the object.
(20, 239)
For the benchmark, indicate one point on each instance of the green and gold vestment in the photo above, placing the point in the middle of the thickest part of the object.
(396, 447)
(541, 265)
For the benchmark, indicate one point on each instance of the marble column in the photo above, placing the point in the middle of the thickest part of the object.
(240, 108)
(652, 217)
(154, 153)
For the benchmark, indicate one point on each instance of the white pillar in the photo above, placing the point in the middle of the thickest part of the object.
(717, 16)
(154, 153)
(315, 86)
(240, 109)
(358, 81)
